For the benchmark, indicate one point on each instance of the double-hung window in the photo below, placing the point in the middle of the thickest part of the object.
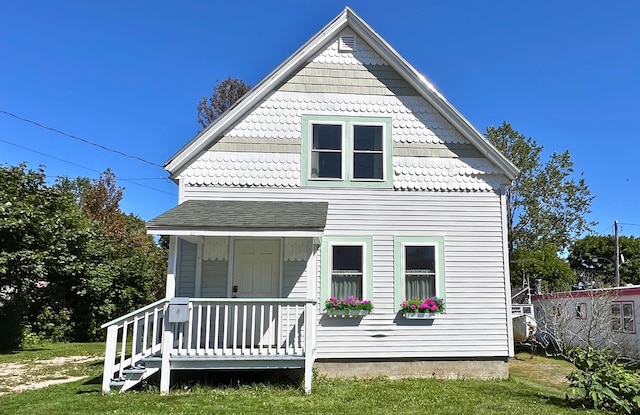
(346, 151)
(326, 151)
(347, 271)
(419, 271)
(622, 317)
(368, 156)
(419, 268)
(347, 264)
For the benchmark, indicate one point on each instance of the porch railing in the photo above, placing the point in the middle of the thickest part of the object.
(243, 327)
(216, 328)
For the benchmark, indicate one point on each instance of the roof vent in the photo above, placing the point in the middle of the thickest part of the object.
(347, 43)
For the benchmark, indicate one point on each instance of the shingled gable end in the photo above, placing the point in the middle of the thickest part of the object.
(344, 172)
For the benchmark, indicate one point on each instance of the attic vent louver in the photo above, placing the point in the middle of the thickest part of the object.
(347, 43)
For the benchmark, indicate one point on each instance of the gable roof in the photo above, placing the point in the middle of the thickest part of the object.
(207, 137)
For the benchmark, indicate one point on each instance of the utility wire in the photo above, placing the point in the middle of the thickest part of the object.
(50, 156)
(79, 138)
(606, 229)
(88, 168)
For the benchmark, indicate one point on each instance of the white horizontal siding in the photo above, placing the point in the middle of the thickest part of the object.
(475, 323)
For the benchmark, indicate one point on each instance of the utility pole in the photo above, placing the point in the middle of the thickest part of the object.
(616, 280)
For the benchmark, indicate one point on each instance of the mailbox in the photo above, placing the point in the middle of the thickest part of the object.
(179, 310)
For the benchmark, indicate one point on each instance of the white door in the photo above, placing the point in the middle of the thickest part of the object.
(256, 268)
(256, 274)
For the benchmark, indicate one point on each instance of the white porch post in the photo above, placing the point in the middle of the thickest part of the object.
(310, 317)
(167, 346)
(309, 345)
(171, 269)
(109, 357)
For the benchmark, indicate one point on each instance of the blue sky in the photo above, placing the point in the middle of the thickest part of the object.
(129, 74)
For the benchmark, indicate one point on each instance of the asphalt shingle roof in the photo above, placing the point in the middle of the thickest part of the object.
(234, 215)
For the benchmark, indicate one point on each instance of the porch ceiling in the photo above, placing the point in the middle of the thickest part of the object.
(241, 218)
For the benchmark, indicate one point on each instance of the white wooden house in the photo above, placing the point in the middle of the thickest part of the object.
(343, 172)
(603, 318)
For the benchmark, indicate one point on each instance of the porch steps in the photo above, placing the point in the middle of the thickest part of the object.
(131, 377)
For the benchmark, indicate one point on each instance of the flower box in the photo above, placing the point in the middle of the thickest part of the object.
(348, 313)
(419, 316)
(349, 307)
(422, 308)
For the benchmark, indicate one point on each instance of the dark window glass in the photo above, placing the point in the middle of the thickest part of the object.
(326, 152)
(367, 166)
(420, 274)
(368, 156)
(347, 258)
(347, 271)
(327, 137)
(367, 137)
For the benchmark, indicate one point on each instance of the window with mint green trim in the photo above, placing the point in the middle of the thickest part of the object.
(418, 268)
(346, 267)
(339, 151)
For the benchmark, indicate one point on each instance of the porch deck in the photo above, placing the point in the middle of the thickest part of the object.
(209, 334)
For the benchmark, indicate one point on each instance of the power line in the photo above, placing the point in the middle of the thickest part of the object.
(55, 130)
(629, 224)
(89, 168)
(50, 156)
(606, 229)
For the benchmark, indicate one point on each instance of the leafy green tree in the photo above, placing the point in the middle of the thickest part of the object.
(545, 264)
(135, 270)
(546, 206)
(225, 94)
(42, 236)
(70, 260)
(593, 258)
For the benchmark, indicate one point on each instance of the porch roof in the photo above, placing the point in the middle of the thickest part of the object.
(241, 218)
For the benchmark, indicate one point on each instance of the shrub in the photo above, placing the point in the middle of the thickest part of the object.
(602, 383)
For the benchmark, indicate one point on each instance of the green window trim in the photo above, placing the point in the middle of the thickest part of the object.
(347, 179)
(325, 266)
(399, 243)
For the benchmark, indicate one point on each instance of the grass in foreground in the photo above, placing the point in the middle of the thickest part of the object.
(523, 393)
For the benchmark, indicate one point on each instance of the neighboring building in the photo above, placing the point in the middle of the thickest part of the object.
(603, 318)
(343, 172)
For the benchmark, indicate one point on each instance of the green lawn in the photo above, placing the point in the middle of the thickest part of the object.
(528, 391)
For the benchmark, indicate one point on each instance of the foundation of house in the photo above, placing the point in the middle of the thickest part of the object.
(395, 369)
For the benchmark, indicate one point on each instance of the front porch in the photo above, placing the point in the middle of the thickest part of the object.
(209, 334)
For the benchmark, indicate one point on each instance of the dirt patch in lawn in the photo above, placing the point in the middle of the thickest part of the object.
(545, 370)
(18, 377)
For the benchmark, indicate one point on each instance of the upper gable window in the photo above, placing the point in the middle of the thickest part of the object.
(326, 151)
(368, 156)
(346, 151)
